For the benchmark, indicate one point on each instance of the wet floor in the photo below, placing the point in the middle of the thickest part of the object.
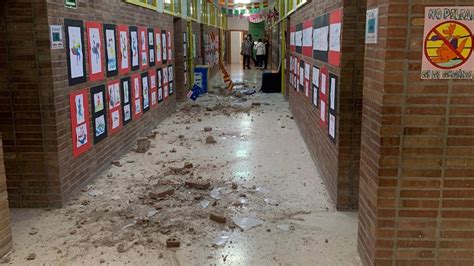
(259, 169)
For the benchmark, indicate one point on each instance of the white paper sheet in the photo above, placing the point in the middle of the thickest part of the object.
(332, 103)
(308, 37)
(320, 39)
(335, 37)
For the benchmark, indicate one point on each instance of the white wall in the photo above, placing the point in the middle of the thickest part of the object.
(235, 43)
(236, 23)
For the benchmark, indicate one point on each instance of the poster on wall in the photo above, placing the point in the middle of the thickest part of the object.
(332, 107)
(142, 35)
(194, 43)
(308, 38)
(170, 79)
(110, 50)
(137, 96)
(185, 45)
(323, 98)
(448, 43)
(159, 82)
(321, 38)
(153, 88)
(297, 71)
(164, 45)
(307, 84)
(76, 63)
(145, 92)
(114, 102)
(372, 26)
(291, 71)
(134, 48)
(170, 47)
(158, 45)
(335, 22)
(124, 49)
(165, 78)
(315, 86)
(292, 39)
(79, 122)
(126, 97)
(301, 76)
(94, 51)
(299, 38)
(56, 37)
(151, 47)
(99, 114)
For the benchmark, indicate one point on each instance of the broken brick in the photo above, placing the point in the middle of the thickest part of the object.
(162, 193)
(188, 166)
(210, 140)
(143, 145)
(207, 129)
(198, 184)
(217, 218)
(173, 243)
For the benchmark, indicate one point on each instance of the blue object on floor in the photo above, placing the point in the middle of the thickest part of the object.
(194, 93)
(201, 77)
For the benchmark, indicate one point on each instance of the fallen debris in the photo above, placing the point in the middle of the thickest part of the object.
(117, 163)
(204, 204)
(162, 193)
(216, 193)
(207, 129)
(272, 202)
(221, 239)
(210, 140)
(284, 227)
(143, 145)
(246, 223)
(173, 243)
(197, 184)
(217, 217)
(256, 103)
(31, 256)
(234, 185)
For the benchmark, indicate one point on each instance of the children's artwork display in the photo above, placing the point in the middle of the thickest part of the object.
(170, 46)
(315, 86)
(153, 88)
(126, 97)
(332, 106)
(323, 96)
(165, 83)
(94, 51)
(124, 49)
(307, 84)
(114, 103)
(301, 76)
(321, 38)
(111, 59)
(142, 34)
(79, 122)
(134, 48)
(164, 45)
(99, 114)
(158, 46)
(299, 38)
(308, 38)
(335, 24)
(145, 92)
(292, 39)
(75, 51)
(170, 79)
(291, 71)
(159, 82)
(151, 47)
(137, 96)
(185, 45)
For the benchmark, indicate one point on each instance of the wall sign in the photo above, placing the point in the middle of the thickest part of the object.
(448, 43)
(56, 36)
(75, 51)
(372, 26)
(79, 105)
(70, 3)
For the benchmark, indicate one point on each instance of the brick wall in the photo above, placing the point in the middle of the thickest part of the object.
(417, 154)
(205, 29)
(5, 230)
(338, 163)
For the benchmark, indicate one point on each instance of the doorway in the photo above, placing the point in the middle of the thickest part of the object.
(235, 43)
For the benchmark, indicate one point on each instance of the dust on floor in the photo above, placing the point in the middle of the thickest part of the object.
(228, 180)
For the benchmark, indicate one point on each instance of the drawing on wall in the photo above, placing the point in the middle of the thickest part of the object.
(332, 106)
(75, 51)
(170, 47)
(323, 98)
(99, 123)
(113, 94)
(158, 45)
(164, 46)
(308, 38)
(94, 29)
(151, 46)
(143, 47)
(159, 81)
(335, 22)
(315, 86)
(137, 96)
(301, 76)
(165, 83)
(126, 93)
(111, 50)
(145, 92)
(321, 38)
(307, 73)
(153, 87)
(134, 52)
(78, 105)
(299, 38)
(332, 127)
(291, 71)
(124, 53)
(170, 79)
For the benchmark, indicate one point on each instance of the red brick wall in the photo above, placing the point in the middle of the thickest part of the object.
(27, 113)
(417, 196)
(5, 230)
(338, 163)
(74, 173)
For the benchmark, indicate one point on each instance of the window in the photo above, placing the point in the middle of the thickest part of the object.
(177, 7)
(168, 6)
(151, 4)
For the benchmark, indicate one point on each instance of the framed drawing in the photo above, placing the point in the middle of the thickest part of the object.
(145, 92)
(164, 43)
(137, 96)
(99, 114)
(170, 79)
(94, 51)
(159, 82)
(170, 47)
(153, 88)
(126, 97)
(315, 86)
(110, 50)
(142, 33)
(79, 105)
(165, 78)
(134, 48)
(124, 49)
(76, 63)
(114, 103)
(151, 47)
(158, 45)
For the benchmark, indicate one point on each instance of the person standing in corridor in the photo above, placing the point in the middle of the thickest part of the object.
(260, 47)
(246, 50)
